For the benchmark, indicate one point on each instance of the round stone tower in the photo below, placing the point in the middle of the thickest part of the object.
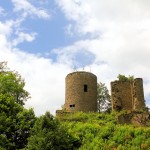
(81, 92)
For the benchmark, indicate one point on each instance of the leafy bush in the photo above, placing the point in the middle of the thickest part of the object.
(49, 134)
(124, 78)
(101, 131)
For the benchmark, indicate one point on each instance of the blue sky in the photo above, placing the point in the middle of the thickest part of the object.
(50, 32)
(44, 40)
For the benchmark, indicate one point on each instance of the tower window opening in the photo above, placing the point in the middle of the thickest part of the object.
(73, 105)
(85, 88)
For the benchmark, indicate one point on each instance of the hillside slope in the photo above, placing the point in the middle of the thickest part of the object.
(103, 132)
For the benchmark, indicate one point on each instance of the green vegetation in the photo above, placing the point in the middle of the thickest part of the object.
(49, 134)
(124, 78)
(20, 129)
(12, 85)
(103, 98)
(101, 132)
(15, 120)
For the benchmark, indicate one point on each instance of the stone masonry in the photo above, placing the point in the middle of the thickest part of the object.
(127, 95)
(81, 92)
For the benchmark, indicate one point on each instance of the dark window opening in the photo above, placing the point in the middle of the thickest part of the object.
(73, 105)
(85, 88)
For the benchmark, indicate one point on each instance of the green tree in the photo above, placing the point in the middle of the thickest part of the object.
(103, 98)
(124, 78)
(15, 120)
(16, 123)
(48, 134)
(12, 84)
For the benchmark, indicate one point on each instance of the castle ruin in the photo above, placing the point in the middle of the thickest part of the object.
(81, 95)
(81, 92)
(127, 95)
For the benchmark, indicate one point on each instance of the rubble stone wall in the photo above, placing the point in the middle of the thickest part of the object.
(138, 94)
(127, 95)
(121, 95)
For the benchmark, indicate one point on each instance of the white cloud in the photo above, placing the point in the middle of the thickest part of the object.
(114, 38)
(29, 9)
(76, 55)
(117, 33)
(44, 80)
(21, 37)
(6, 27)
(14, 34)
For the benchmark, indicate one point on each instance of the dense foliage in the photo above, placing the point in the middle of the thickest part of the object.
(12, 84)
(15, 120)
(101, 132)
(124, 78)
(49, 134)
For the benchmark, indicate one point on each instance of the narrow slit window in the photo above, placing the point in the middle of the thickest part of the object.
(85, 88)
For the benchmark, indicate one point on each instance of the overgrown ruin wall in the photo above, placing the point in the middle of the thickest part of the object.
(127, 95)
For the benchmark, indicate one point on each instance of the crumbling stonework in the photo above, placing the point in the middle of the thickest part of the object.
(135, 118)
(81, 92)
(138, 95)
(61, 113)
(127, 95)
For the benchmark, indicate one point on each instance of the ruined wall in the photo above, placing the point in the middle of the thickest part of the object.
(121, 95)
(138, 94)
(127, 95)
(81, 92)
(135, 118)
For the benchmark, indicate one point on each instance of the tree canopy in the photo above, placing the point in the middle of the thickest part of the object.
(49, 134)
(12, 84)
(15, 120)
(103, 98)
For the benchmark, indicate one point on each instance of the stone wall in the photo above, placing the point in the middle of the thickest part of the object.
(62, 113)
(81, 92)
(121, 95)
(135, 118)
(127, 95)
(138, 94)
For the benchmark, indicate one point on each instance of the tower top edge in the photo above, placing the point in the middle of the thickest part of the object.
(81, 72)
(118, 81)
